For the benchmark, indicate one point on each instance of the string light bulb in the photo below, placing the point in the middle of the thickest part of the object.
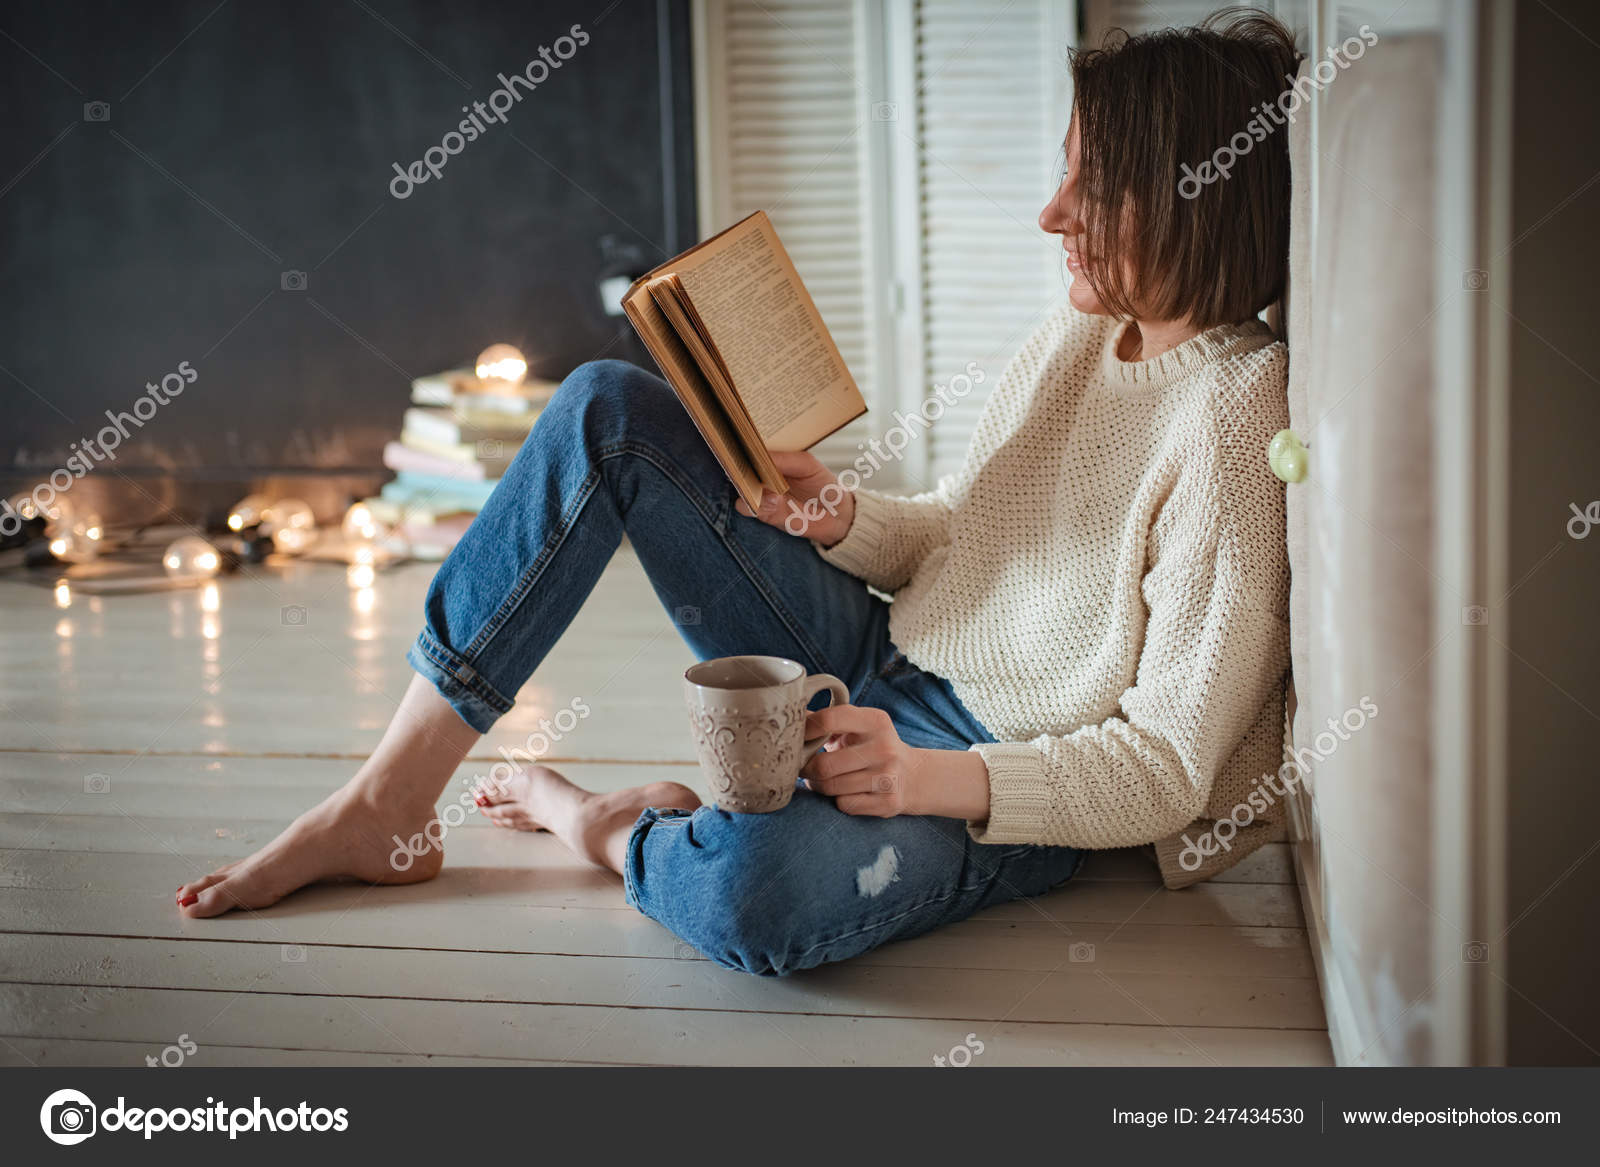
(360, 526)
(77, 541)
(57, 514)
(501, 368)
(191, 559)
(247, 512)
(291, 524)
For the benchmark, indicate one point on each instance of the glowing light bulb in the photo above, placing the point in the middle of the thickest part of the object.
(501, 368)
(24, 506)
(291, 524)
(359, 524)
(57, 513)
(191, 559)
(77, 542)
(247, 511)
(293, 540)
(89, 531)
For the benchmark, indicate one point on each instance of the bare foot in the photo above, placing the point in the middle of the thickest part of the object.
(538, 798)
(346, 836)
(510, 803)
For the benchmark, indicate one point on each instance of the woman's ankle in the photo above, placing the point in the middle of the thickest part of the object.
(387, 792)
(606, 820)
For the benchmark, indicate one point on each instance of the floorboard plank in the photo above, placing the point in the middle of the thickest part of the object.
(534, 872)
(645, 1035)
(31, 1051)
(167, 816)
(979, 943)
(1076, 991)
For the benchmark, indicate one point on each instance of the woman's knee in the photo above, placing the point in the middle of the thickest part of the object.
(610, 402)
(735, 887)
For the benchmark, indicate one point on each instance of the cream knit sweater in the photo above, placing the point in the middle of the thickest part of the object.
(1105, 585)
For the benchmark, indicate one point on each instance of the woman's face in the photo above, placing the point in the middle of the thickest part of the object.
(1061, 216)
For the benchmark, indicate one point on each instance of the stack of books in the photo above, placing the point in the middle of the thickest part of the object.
(459, 437)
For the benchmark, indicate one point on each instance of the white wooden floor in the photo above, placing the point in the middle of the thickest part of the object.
(144, 739)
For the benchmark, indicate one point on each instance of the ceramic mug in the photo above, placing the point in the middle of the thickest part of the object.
(748, 716)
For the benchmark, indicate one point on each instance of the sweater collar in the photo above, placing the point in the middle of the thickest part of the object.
(1185, 360)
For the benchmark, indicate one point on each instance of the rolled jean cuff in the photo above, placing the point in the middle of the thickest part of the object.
(651, 820)
(475, 701)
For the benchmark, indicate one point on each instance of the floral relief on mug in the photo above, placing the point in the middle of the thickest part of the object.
(750, 760)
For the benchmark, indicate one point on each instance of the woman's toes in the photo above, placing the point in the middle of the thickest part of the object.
(512, 816)
(230, 894)
(510, 803)
(193, 888)
(211, 900)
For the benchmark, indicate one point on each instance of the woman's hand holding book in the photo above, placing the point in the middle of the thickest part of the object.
(816, 507)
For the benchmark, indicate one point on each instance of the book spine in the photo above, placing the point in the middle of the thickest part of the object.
(401, 457)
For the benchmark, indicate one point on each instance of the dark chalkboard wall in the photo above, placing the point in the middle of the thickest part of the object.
(242, 141)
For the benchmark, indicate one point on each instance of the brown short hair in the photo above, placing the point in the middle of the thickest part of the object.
(1152, 109)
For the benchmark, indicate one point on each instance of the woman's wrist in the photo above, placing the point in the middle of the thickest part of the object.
(844, 516)
(950, 783)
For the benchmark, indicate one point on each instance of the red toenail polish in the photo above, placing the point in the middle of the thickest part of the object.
(187, 900)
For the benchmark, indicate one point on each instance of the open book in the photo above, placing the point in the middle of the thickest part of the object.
(740, 340)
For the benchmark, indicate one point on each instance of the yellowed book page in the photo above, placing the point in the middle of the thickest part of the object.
(767, 330)
(697, 396)
(667, 293)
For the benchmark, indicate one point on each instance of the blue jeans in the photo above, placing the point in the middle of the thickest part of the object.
(616, 452)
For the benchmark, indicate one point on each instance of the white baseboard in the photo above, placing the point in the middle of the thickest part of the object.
(1337, 1002)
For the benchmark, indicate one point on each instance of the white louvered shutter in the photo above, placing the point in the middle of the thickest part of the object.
(992, 110)
(903, 149)
(781, 114)
(1137, 16)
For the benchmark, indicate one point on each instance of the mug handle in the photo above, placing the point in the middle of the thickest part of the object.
(814, 685)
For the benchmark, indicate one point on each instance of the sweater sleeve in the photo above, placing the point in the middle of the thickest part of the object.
(1215, 648)
(891, 536)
